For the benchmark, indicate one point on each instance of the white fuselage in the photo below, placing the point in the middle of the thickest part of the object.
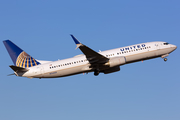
(79, 64)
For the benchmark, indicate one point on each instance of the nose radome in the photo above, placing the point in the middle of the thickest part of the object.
(174, 46)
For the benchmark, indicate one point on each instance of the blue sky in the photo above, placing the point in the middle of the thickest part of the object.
(140, 91)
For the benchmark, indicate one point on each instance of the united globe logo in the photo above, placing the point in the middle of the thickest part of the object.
(24, 60)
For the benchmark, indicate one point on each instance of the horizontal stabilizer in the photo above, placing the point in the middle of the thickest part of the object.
(15, 68)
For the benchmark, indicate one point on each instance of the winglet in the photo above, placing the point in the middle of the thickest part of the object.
(76, 41)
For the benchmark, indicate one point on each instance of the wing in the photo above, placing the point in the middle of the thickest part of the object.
(92, 56)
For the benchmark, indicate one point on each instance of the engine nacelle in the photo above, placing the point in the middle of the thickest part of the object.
(116, 61)
(111, 70)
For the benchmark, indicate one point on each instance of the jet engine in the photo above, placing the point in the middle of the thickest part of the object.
(111, 70)
(116, 61)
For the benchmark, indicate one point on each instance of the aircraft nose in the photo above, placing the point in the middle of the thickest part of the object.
(174, 47)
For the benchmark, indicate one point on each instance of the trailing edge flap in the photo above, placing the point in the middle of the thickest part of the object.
(91, 55)
(15, 68)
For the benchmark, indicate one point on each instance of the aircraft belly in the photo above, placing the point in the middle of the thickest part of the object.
(65, 72)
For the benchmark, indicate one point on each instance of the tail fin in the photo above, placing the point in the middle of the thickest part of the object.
(19, 57)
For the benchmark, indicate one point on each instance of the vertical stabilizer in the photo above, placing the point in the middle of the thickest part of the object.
(19, 57)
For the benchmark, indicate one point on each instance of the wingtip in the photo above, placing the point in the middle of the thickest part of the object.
(75, 39)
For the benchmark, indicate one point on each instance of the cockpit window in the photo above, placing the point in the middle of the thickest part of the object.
(166, 43)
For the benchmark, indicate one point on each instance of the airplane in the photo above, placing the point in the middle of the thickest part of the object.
(106, 62)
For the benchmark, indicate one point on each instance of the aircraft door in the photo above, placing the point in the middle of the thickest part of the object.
(157, 49)
(157, 46)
